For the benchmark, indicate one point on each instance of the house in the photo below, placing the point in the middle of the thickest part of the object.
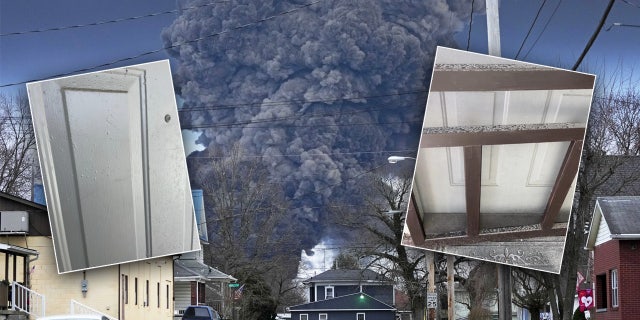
(135, 290)
(193, 278)
(614, 238)
(347, 294)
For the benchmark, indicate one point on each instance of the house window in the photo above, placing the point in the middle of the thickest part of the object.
(601, 292)
(167, 296)
(360, 316)
(125, 288)
(323, 316)
(147, 296)
(304, 316)
(328, 292)
(158, 296)
(135, 289)
(614, 288)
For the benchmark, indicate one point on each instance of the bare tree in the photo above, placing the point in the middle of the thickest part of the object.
(610, 166)
(480, 290)
(250, 234)
(17, 145)
(530, 291)
(380, 222)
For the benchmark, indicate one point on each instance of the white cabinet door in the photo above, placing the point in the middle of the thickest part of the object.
(113, 166)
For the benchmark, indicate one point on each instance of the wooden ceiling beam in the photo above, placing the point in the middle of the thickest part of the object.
(561, 187)
(505, 78)
(414, 223)
(472, 180)
(497, 135)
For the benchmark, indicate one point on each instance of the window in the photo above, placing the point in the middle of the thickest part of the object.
(158, 295)
(328, 292)
(323, 316)
(360, 316)
(148, 299)
(601, 292)
(167, 296)
(304, 316)
(135, 289)
(614, 288)
(125, 288)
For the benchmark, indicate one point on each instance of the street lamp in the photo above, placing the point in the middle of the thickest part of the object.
(395, 159)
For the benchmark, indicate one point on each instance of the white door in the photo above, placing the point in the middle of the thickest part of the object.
(113, 166)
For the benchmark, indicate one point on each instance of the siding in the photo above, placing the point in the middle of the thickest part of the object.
(604, 234)
(346, 315)
(59, 289)
(182, 295)
(382, 293)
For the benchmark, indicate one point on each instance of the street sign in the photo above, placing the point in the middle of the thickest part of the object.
(432, 300)
(234, 285)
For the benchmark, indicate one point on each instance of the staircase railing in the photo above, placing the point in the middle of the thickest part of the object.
(78, 308)
(27, 300)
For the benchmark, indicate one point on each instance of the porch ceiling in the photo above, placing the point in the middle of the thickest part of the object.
(499, 152)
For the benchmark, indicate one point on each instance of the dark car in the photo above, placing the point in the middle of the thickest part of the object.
(200, 313)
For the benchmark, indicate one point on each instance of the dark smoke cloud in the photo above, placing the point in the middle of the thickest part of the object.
(330, 50)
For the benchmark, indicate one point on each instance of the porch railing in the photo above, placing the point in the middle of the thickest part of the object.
(78, 308)
(27, 300)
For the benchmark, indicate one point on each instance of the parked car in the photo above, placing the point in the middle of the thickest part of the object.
(74, 317)
(200, 313)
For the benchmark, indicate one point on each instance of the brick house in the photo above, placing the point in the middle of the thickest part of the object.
(614, 238)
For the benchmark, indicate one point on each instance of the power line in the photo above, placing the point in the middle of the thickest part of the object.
(331, 186)
(109, 21)
(293, 101)
(299, 126)
(309, 154)
(530, 28)
(543, 29)
(244, 26)
(594, 36)
(470, 23)
(631, 3)
(295, 117)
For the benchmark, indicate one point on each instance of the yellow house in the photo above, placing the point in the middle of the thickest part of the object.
(135, 290)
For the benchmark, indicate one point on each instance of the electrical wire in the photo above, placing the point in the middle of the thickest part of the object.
(308, 154)
(177, 45)
(193, 127)
(631, 3)
(294, 101)
(530, 28)
(594, 36)
(155, 14)
(543, 29)
(470, 23)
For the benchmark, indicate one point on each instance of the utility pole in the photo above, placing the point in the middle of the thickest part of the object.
(431, 289)
(504, 271)
(451, 310)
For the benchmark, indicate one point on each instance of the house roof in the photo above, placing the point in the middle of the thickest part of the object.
(38, 216)
(349, 302)
(22, 201)
(345, 275)
(620, 215)
(190, 270)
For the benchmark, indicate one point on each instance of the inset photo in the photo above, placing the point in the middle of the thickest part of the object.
(499, 154)
(113, 166)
